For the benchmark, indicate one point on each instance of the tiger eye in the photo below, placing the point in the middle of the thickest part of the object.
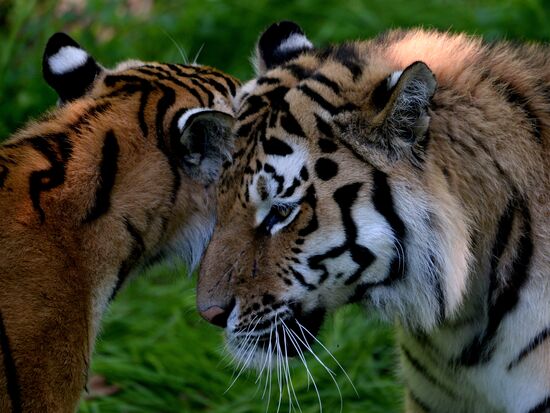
(285, 212)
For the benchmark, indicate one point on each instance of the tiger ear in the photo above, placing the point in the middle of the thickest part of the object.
(398, 120)
(205, 140)
(280, 43)
(402, 102)
(68, 68)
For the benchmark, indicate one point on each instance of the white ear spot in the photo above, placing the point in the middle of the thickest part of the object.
(295, 41)
(394, 78)
(182, 121)
(67, 59)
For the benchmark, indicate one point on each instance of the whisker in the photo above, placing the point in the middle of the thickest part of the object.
(288, 368)
(279, 365)
(197, 54)
(286, 371)
(331, 356)
(308, 372)
(247, 348)
(180, 49)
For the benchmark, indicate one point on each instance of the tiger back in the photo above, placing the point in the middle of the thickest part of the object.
(118, 176)
(409, 173)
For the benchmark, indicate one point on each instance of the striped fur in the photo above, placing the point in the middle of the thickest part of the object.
(408, 173)
(94, 190)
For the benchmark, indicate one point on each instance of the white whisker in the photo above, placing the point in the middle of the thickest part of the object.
(180, 49)
(298, 350)
(197, 54)
(331, 355)
(302, 358)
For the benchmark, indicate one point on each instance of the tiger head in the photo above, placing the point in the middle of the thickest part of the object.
(330, 198)
(167, 125)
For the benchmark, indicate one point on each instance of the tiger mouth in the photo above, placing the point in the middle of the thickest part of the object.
(290, 334)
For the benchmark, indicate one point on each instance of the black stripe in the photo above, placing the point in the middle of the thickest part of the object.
(3, 175)
(268, 81)
(440, 296)
(112, 80)
(313, 224)
(290, 124)
(331, 84)
(90, 115)
(141, 113)
(125, 90)
(347, 55)
(503, 297)
(108, 168)
(205, 90)
(231, 84)
(291, 189)
(300, 278)
(12, 382)
(529, 348)
(163, 105)
(138, 248)
(199, 80)
(383, 203)
(275, 146)
(276, 97)
(542, 407)
(215, 84)
(324, 127)
(297, 71)
(255, 104)
(419, 402)
(423, 371)
(345, 197)
(514, 97)
(48, 179)
(325, 104)
(167, 76)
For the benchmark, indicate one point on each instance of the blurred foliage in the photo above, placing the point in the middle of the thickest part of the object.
(224, 32)
(153, 345)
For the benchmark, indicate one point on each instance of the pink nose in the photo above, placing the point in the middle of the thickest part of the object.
(216, 315)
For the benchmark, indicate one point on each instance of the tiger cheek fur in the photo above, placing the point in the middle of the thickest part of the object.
(120, 175)
(408, 173)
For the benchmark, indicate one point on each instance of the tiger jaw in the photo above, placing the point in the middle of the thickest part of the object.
(262, 340)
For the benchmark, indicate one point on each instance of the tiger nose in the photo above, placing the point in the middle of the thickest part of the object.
(217, 315)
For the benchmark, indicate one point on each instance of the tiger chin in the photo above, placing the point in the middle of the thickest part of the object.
(120, 173)
(408, 173)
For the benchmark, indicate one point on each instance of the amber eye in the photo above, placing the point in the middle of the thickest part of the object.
(276, 215)
(284, 211)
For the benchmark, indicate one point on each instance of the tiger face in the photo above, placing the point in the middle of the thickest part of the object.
(329, 157)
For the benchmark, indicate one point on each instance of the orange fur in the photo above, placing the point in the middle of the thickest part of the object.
(59, 267)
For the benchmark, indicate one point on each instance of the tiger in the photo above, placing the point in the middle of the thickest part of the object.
(119, 175)
(407, 173)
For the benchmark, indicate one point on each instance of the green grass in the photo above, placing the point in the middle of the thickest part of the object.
(155, 347)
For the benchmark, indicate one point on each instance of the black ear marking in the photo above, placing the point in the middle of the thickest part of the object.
(68, 68)
(280, 43)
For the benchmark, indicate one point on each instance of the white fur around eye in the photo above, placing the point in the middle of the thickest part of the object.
(67, 59)
(295, 41)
